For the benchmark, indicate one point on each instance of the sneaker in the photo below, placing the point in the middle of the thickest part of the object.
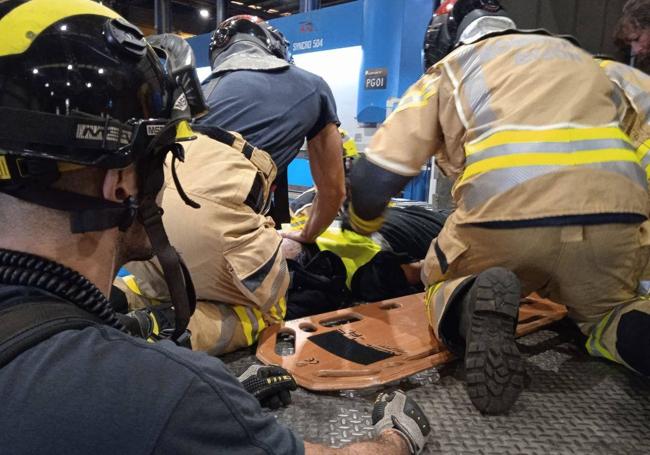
(493, 366)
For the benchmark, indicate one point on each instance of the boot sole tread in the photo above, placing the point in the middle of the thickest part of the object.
(493, 365)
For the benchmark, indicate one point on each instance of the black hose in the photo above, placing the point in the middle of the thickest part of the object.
(23, 269)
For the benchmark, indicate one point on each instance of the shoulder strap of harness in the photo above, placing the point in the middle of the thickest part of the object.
(260, 159)
(225, 137)
(259, 198)
(25, 325)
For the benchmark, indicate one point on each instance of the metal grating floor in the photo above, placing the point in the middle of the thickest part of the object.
(572, 404)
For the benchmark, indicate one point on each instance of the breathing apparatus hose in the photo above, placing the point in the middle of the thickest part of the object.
(23, 269)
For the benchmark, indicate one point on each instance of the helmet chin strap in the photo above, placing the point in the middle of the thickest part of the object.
(149, 214)
(177, 277)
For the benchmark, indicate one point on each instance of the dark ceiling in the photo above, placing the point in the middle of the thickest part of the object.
(186, 17)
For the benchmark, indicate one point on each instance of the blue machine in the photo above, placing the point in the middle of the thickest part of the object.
(388, 35)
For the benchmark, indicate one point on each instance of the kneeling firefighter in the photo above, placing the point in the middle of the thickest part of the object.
(231, 247)
(551, 192)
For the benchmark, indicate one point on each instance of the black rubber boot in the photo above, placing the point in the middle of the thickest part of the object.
(493, 366)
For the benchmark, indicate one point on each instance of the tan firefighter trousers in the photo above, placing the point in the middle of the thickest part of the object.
(232, 251)
(593, 270)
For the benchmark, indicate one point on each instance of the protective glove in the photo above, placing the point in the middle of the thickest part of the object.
(271, 385)
(395, 410)
(154, 324)
(344, 216)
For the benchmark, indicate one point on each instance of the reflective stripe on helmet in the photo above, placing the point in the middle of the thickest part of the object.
(184, 132)
(22, 25)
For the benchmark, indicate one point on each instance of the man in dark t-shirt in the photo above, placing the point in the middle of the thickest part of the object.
(254, 91)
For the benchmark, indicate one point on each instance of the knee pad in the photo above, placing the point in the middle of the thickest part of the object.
(633, 340)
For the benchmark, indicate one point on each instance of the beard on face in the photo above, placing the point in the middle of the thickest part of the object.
(134, 245)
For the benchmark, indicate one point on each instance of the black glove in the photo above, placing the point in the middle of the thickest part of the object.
(271, 385)
(345, 219)
(397, 411)
(154, 324)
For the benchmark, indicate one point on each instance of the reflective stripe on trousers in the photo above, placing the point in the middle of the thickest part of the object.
(593, 344)
(253, 322)
(433, 295)
(507, 158)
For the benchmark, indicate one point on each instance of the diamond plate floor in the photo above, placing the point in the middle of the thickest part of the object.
(572, 404)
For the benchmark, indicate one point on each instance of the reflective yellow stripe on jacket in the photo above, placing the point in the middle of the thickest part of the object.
(516, 155)
(643, 155)
(355, 250)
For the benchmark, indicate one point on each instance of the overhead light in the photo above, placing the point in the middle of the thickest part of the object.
(204, 13)
(47, 85)
(255, 6)
(35, 71)
(271, 10)
(89, 84)
(100, 70)
(69, 67)
(236, 3)
(64, 28)
(67, 84)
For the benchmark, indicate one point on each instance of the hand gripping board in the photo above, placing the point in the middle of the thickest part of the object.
(373, 344)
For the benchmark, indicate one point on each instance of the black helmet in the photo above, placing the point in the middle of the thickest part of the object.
(80, 86)
(448, 23)
(248, 28)
(280, 47)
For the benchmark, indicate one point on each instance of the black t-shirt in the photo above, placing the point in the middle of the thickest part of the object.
(273, 110)
(100, 391)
